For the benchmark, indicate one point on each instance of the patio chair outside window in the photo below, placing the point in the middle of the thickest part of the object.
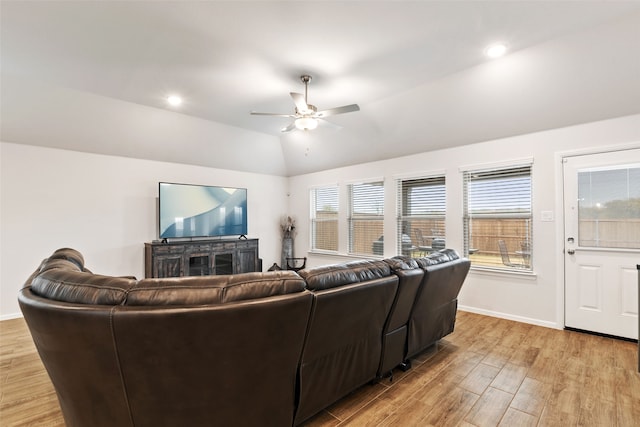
(506, 260)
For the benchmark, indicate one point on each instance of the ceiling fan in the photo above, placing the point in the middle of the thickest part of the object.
(306, 115)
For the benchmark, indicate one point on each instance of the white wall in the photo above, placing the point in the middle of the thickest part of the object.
(535, 299)
(105, 207)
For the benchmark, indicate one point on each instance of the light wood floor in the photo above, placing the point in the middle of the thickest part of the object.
(489, 372)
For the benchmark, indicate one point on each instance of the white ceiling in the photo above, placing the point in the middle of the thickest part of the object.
(416, 69)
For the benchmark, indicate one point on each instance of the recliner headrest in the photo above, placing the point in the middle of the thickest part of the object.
(439, 257)
(331, 276)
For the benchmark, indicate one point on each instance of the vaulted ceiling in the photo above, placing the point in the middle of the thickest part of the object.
(94, 76)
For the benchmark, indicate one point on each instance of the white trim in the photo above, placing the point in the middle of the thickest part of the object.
(514, 163)
(11, 316)
(422, 174)
(597, 150)
(507, 316)
(559, 244)
(333, 184)
(365, 180)
(498, 272)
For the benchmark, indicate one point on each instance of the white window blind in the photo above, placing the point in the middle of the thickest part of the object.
(422, 207)
(498, 217)
(366, 218)
(324, 218)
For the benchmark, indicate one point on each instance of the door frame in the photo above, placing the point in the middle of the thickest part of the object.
(560, 218)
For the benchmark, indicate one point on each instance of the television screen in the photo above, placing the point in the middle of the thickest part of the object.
(201, 211)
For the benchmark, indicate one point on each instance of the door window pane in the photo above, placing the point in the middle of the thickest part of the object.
(609, 207)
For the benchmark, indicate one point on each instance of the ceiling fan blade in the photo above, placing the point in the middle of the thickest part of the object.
(338, 110)
(298, 99)
(255, 113)
(289, 128)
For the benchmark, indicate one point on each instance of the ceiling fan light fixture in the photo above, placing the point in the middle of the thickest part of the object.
(306, 123)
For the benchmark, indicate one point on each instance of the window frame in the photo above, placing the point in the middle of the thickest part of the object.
(352, 220)
(314, 221)
(419, 241)
(503, 171)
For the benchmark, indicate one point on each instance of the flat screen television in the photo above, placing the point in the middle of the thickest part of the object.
(187, 210)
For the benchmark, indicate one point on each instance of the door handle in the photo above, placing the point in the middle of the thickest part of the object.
(571, 251)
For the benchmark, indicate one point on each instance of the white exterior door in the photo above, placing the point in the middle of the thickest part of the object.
(602, 242)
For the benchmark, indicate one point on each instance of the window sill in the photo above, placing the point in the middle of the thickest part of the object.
(343, 255)
(488, 271)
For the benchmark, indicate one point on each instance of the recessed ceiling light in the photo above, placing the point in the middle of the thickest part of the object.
(496, 50)
(174, 100)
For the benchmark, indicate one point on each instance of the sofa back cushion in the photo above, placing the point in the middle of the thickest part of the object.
(59, 282)
(401, 263)
(69, 254)
(332, 276)
(214, 289)
(436, 258)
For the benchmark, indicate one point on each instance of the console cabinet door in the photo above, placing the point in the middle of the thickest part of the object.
(247, 260)
(168, 266)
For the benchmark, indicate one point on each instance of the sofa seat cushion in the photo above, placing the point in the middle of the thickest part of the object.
(214, 289)
(331, 276)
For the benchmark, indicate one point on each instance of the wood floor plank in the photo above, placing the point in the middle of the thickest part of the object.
(452, 408)
(627, 411)
(562, 407)
(544, 368)
(355, 401)
(595, 412)
(626, 354)
(375, 413)
(510, 378)
(513, 417)
(531, 396)
(524, 355)
(490, 408)
(498, 356)
(479, 379)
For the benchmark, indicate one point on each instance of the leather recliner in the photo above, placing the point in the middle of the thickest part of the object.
(434, 311)
(394, 338)
(343, 346)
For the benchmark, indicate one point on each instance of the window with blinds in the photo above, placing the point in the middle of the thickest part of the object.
(422, 207)
(366, 218)
(324, 218)
(498, 217)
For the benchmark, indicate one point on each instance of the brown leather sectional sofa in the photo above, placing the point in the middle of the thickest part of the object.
(254, 349)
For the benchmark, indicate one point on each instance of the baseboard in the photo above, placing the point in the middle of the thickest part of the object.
(10, 316)
(513, 317)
